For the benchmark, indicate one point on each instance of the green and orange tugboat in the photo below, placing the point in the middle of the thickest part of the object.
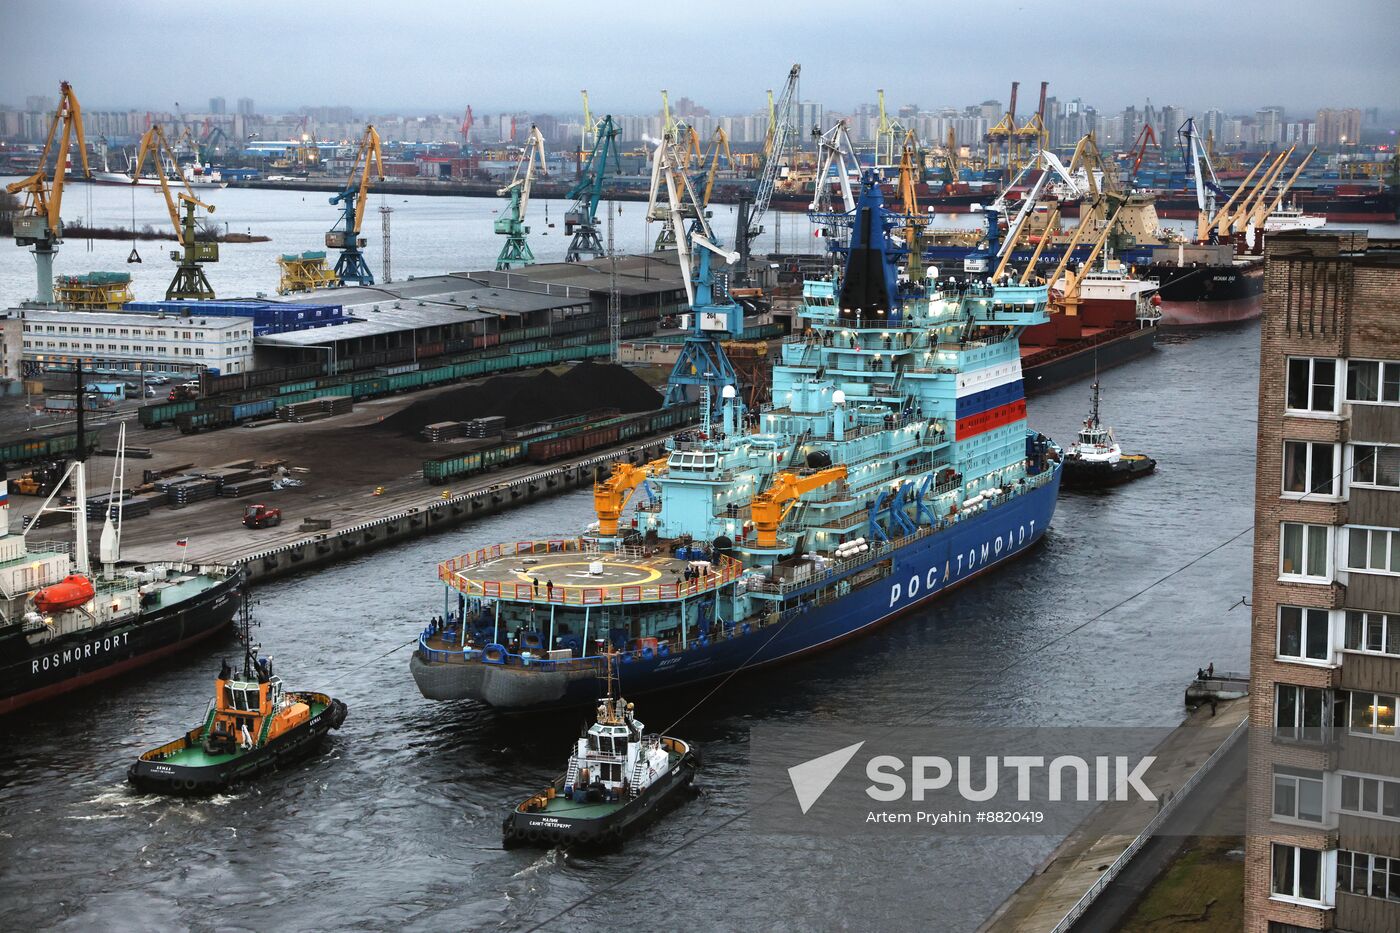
(253, 725)
(618, 780)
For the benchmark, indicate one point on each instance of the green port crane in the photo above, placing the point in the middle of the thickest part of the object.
(38, 223)
(189, 281)
(511, 223)
(345, 236)
(581, 219)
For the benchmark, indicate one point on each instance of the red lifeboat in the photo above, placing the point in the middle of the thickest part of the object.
(75, 590)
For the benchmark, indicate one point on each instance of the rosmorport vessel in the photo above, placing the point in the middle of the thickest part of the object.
(893, 464)
(65, 623)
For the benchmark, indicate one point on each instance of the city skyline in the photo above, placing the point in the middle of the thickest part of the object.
(440, 63)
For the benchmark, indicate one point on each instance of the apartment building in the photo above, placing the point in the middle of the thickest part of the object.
(1323, 851)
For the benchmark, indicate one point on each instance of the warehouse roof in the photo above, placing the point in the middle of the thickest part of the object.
(388, 320)
(439, 291)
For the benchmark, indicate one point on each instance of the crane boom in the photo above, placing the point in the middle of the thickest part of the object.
(190, 280)
(1222, 220)
(771, 506)
(1284, 189)
(610, 497)
(511, 223)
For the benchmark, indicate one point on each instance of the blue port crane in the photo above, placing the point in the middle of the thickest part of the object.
(511, 223)
(581, 219)
(345, 235)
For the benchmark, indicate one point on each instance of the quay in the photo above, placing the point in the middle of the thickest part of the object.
(1077, 879)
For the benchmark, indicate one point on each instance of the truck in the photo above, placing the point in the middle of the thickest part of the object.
(261, 516)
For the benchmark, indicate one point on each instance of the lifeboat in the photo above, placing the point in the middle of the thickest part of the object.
(75, 590)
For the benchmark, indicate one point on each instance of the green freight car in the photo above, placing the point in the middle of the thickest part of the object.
(470, 462)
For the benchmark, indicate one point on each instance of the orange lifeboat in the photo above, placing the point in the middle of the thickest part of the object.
(75, 590)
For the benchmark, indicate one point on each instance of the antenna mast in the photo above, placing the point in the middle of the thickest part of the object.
(384, 212)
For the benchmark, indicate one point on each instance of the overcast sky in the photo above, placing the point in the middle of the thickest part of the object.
(504, 55)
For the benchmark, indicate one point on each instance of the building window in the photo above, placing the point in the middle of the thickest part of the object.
(1372, 632)
(1375, 465)
(1298, 873)
(1368, 875)
(1304, 551)
(1298, 794)
(1373, 550)
(1310, 467)
(1367, 796)
(1373, 381)
(1373, 714)
(1312, 384)
(1304, 634)
(1304, 713)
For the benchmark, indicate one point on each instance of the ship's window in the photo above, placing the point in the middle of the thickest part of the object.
(228, 697)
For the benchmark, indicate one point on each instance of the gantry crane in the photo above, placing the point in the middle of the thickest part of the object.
(581, 219)
(771, 506)
(39, 223)
(189, 281)
(750, 215)
(511, 223)
(345, 236)
(610, 497)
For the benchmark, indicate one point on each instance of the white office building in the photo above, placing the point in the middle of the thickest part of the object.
(125, 342)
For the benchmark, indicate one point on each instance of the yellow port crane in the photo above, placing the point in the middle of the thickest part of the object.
(345, 235)
(1000, 137)
(1241, 218)
(39, 223)
(189, 281)
(719, 143)
(771, 506)
(1033, 135)
(1069, 299)
(951, 157)
(611, 495)
(911, 163)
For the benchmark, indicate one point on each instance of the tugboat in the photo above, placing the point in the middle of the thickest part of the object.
(618, 779)
(253, 725)
(1095, 460)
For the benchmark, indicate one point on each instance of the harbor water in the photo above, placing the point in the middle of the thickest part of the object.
(397, 824)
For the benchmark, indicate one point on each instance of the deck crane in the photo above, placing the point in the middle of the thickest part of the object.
(1070, 300)
(1222, 216)
(750, 214)
(511, 223)
(1203, 180)
(1239, 220)
(190, 281)
(713, 316)
(1284, 189)
(39, 223)
(610, 497)
(911, 163)
(345, 236)
(581, 219)
(771, 506)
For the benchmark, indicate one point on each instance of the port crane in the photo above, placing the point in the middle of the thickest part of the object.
(1229, 221)
(1033, 136)
(345, 236)
(1000, 138)
(1146, 136)
(1284, 189)
(39, 223)
(770, 507)
(581, 219)
(511, 223)
(714, 315)
(835, 152)
(1222, 217)
(1203, 179)
(750, 214)
(189, 281)
(610, 497)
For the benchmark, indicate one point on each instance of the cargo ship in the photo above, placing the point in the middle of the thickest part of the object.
(893, 464)
(65, 624)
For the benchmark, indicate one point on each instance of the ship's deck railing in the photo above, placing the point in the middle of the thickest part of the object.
(470, 654)
(451, 573)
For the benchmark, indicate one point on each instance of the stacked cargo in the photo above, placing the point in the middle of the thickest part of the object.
(316, 408)
(246, 487)
(193, 489)
(490, 426)
(443, 431)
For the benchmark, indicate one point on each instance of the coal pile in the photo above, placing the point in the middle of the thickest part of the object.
(541, 396)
